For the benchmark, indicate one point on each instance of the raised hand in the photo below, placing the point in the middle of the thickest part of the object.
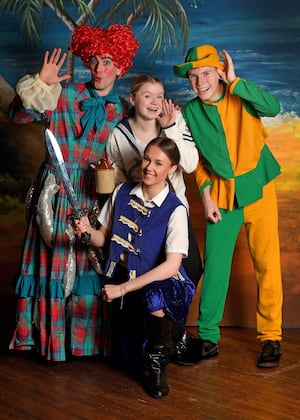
(52, 65)
(228, 75)
(167, 117)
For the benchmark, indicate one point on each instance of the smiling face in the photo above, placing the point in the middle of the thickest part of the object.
(205, 81)
(104, 74)
(156, 166)
(147, 100)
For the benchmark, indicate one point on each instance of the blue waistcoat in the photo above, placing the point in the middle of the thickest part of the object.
(139, 231)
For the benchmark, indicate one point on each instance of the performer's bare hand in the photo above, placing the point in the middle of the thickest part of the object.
(228, 75)
(52, 65)
(81, 226)
(112, 291)
(211, 210)
(167, 116)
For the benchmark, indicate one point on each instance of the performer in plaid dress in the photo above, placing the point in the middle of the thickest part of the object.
(59, 311)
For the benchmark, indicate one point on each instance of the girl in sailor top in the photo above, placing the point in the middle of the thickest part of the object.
(146, 226)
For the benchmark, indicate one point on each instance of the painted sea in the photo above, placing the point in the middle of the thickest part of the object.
(263, 37)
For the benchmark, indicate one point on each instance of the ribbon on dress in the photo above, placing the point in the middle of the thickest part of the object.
(94, 111)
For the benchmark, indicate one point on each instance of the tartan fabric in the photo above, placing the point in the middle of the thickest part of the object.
(51, 325)
(22, 338)
(58, 329)
(65, 124)
(43, 268)
(85, 328)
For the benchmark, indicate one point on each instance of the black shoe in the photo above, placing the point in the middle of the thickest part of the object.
(208, 349)
(181, 352)
(270, 354)
(193, 350)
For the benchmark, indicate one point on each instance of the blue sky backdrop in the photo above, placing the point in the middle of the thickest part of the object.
(262, 36)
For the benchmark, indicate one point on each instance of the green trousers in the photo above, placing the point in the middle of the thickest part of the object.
(261, 223)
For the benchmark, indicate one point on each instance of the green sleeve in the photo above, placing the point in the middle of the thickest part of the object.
(258, 102)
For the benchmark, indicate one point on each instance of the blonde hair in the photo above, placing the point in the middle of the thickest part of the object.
(139, 81)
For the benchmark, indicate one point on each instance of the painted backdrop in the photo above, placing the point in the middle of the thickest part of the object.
(263, 39)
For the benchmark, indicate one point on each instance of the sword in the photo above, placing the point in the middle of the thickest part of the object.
(58, 160)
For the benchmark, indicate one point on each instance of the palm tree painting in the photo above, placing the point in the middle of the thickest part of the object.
(162, 17)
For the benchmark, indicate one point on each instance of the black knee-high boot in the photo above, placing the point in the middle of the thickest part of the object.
(157, 355)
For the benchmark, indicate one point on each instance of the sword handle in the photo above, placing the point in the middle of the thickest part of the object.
(85, 237)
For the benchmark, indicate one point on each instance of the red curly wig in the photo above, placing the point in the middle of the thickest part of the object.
(117, 41)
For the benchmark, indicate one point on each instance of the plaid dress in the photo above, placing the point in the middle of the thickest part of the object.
(47, 321)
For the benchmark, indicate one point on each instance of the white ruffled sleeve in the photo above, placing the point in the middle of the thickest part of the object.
(35, 94)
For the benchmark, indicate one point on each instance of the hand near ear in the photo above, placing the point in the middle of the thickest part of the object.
(167, 117)
(228, 75)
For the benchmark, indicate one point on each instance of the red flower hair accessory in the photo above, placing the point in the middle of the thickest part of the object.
(117, 42)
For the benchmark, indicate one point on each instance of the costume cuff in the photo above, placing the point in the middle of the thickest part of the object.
(169, 126)
(233, 84)
(204, 186)
(35, 94)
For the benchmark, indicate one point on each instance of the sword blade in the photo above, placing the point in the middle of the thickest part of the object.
(58, 160)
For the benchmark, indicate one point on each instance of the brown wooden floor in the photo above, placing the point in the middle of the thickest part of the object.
(227, 387)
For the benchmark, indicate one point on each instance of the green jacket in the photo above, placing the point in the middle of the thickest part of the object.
(230, 136)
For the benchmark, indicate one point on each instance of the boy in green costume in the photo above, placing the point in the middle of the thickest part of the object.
(235, 179)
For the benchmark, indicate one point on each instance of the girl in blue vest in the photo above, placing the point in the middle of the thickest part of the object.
(151, 115)
(146, 226)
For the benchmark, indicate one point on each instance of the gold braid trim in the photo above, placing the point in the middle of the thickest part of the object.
(139, 207)
(131, 224)
(111, 269)
(132, 274)
(125, 244)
